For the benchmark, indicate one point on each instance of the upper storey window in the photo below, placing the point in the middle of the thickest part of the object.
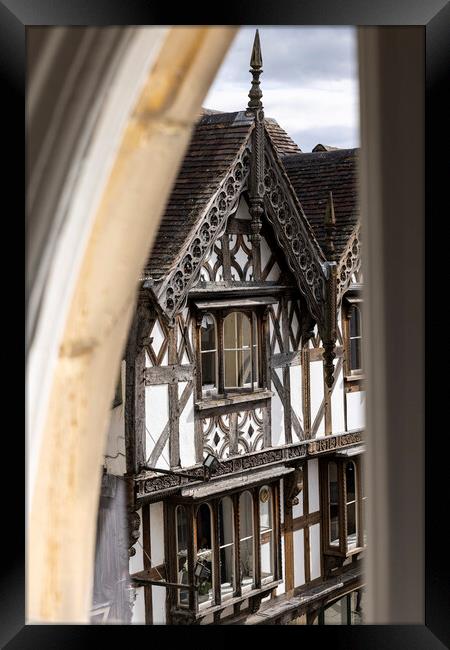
(208, 343)
(355, 339)
(230, 355)
(240, 350)
(352, 327)
(344, 505)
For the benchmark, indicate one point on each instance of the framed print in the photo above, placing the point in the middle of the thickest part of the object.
(213, 295)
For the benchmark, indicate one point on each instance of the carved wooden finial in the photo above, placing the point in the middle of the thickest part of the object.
(255, 93)
(330, 225)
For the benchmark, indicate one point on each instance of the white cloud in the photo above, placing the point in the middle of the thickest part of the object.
(319, 96)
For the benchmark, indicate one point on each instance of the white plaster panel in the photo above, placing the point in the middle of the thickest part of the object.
(187, 435)
(181, 386)
(159, 605)
(313, 485)
(337, 404)
(274, 273)
(314, 550)
(138, 615)
(299, 558)
(157, 532)
(137, 560)
(115, 444)
(158, 336)
(243, 211)
(356, 408)
(277, 424)
(296, 392)
(156, 414)
(316, 384)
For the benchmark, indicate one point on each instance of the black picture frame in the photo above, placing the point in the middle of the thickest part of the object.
(434, 16)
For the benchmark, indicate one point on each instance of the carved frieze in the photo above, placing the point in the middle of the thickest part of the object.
(294, 237)
(329, 443)
(149, 486)
(349, 264)
(173, 292)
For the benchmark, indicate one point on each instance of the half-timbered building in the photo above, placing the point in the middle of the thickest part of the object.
(238, 424)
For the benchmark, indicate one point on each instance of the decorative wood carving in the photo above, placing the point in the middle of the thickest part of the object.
(293, 485)
(294, 236)
(349, 264)
(146, 486)
(172, 294)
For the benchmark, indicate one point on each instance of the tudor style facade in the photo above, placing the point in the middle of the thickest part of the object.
(246, 345)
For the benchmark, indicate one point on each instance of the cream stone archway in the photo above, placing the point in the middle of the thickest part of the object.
(84, 342)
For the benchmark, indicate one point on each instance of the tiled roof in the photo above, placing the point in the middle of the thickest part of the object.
(215, 143)
(282, 142)
(313, 176)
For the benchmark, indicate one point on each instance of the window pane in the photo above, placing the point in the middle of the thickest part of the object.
(208, 369)
(355, 321)
(333, 501)
(246, 540)
(204, 553)
(351, 526)
(226, 544)
(182, 557)
(230, 332)
(355, 354)
(208, 333)
(266, 532)
(350, 486)
(237, 350)
(350, 481)
(208, 351)
(255, 349)
(244, 324)
(231, 368)
(246, 368)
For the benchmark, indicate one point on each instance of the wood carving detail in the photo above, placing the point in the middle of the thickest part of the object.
(350, 264)
(173, 292)
(303, 258)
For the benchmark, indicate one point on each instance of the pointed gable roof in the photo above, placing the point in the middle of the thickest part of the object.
(215, 143)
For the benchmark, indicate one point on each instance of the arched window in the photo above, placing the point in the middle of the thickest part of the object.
(355, 338)
(205, 553)
(208, 353)
(266, 533)
(333, 504)
(240, 350)
(351, 505)
(226, 548)
(246, 540)
(182, 554)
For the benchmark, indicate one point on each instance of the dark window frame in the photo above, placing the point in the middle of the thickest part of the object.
(259, 586)
(353, 377)
(341, 550)
(260, 382)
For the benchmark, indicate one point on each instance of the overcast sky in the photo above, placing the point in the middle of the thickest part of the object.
(309, 82)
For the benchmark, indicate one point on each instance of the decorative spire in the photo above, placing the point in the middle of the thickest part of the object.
(330, 226)
(256, 62)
